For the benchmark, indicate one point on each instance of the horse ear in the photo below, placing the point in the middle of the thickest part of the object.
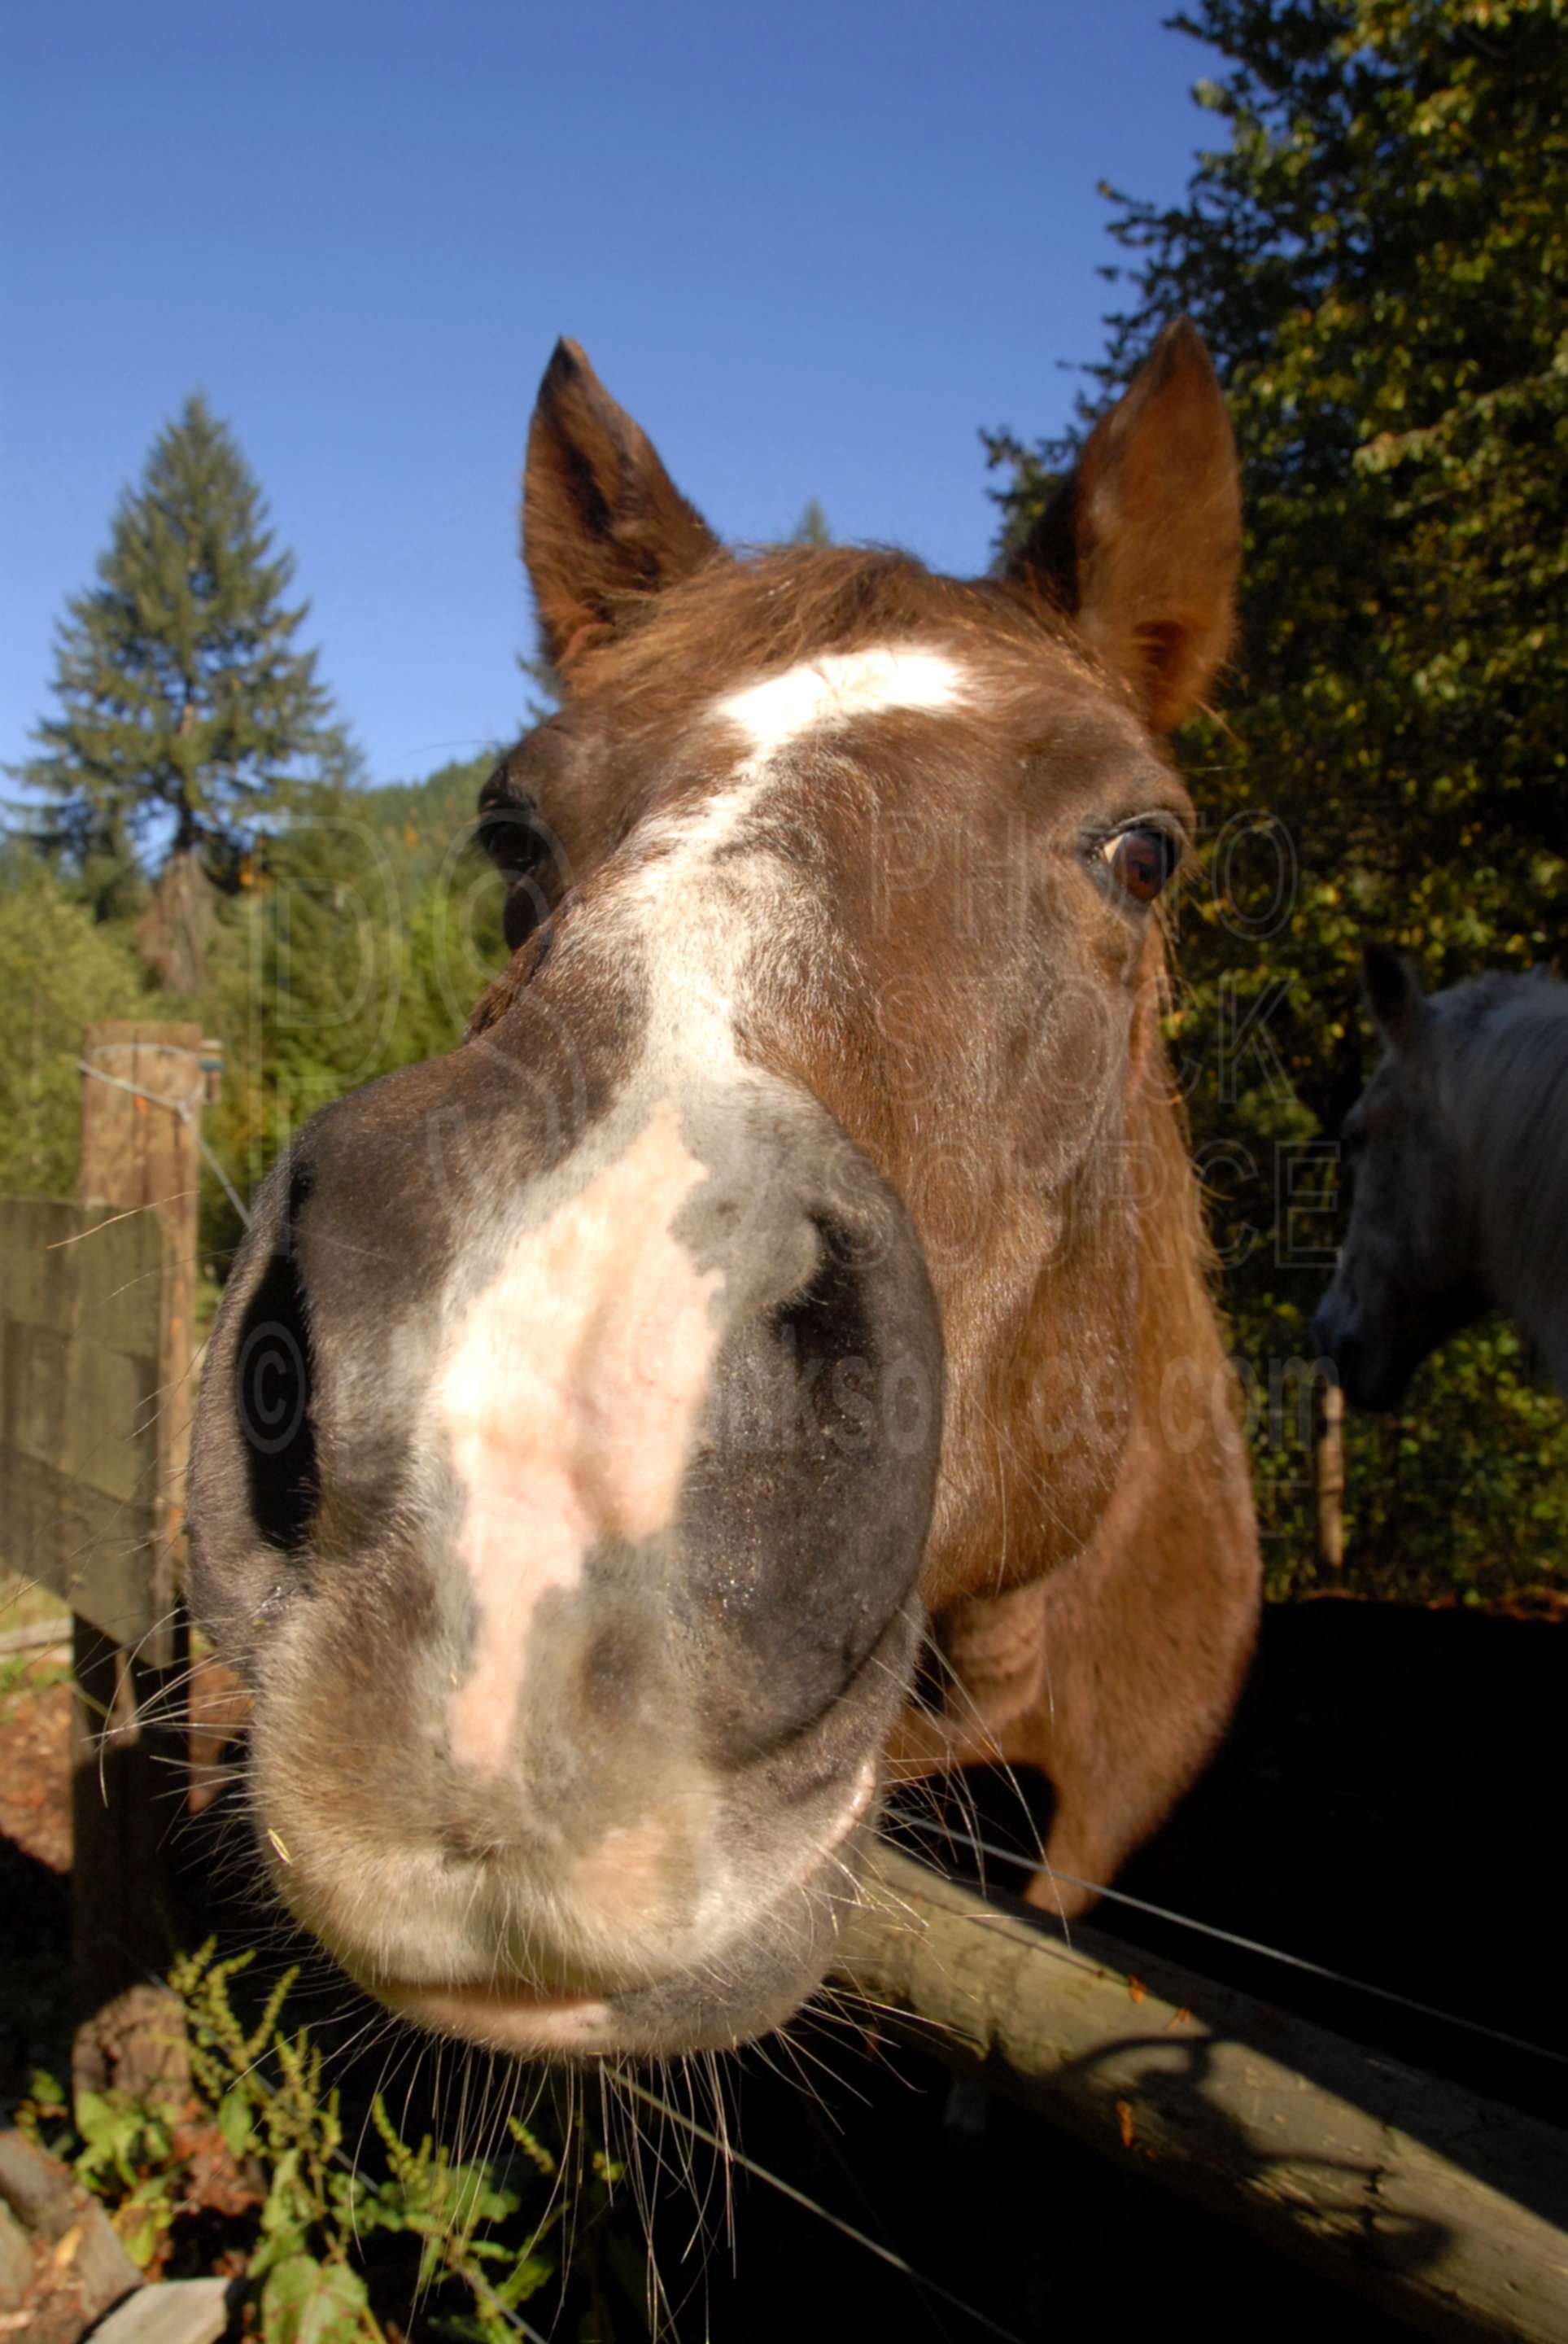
(602, 520)
(1393, 994)
(1142, 543)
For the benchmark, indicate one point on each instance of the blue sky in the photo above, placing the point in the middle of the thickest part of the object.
(811, 249)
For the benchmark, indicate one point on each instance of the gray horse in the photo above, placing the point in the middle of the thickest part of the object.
(1459, 1149)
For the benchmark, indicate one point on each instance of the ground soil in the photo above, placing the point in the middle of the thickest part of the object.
(1388, 1804)
(35, 1870)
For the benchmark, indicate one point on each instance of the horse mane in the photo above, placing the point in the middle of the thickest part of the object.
(1504, 1082)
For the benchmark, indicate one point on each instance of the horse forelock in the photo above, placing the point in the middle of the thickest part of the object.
(759, 615)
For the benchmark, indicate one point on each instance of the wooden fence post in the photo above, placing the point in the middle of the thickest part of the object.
(141, 1097)
(141, 1109)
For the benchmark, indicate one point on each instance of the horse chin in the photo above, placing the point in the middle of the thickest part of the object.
(746, 1990)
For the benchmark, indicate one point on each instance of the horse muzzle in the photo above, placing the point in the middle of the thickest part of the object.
(567, 1519)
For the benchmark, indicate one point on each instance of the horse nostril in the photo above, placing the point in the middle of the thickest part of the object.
(271, 1393)
(826, 1319)
(823, 1341)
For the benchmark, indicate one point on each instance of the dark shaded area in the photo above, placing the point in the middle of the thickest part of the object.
(827, 1320)
(35, 1974)
(1376, 1809)
(1381, 1806)
(1387, 1804)
(1015, 2222)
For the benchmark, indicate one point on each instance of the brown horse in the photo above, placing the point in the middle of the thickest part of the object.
(800, 1250)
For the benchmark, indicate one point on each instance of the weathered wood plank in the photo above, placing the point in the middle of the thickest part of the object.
(1446, 2209)
(82, 1334)
(88, 1549)
(141, 1097)
(139, 1147)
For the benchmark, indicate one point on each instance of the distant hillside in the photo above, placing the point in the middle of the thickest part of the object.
(425, 826)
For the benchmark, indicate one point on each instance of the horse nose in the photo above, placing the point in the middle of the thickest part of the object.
(679, 1391)
(583, 1594)
(253, 1472)
(706, 1380)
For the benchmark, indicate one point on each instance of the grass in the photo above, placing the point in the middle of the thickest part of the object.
(27, 1602)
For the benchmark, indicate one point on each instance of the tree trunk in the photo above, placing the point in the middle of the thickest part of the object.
(175, 932)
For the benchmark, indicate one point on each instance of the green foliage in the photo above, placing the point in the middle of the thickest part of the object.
(128, 2149)
(58, 970)
(360, 947)
(308, 2302)
(467, 2241)
(186, 711)
(25, 1673)
(1488, 1464)
(357, 944)
(1379, 260)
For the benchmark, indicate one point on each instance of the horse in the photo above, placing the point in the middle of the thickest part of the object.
(795, 1280)
(1459, 1150)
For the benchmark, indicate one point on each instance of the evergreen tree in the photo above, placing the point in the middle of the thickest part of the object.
(362, 945)
(1379, 261)
(812, 529)
(188, 712)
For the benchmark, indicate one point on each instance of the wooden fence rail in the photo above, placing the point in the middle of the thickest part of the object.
(1443, 2208)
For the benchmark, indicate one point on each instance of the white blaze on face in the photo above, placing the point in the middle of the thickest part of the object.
(698, 938)
(834, 690)
(570, 1394)
(569, 1397)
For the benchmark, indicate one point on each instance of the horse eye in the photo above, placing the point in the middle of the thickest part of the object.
(1142, 860)
(514, 843)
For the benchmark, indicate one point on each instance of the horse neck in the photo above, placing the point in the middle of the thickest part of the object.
(1175, 1554)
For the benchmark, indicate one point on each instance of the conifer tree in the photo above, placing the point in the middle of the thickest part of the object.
(812, 529)
(188, 714)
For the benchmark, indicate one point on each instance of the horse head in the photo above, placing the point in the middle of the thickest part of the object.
(596, 1414)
